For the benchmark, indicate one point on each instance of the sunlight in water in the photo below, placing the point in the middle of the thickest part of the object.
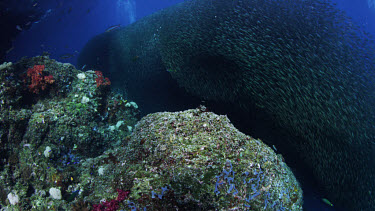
(126, 10)
(371, 3)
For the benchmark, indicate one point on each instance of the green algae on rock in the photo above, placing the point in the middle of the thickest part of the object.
(208, 164)
(46, 134)
(67, 147)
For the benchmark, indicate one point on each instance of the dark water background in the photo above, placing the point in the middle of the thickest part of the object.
(66, 25)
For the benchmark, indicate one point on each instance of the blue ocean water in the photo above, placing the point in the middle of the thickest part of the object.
(64, 27)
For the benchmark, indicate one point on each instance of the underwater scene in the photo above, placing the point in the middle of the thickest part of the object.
(190, 105)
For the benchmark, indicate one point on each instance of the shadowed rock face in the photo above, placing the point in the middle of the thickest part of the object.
(309, 67)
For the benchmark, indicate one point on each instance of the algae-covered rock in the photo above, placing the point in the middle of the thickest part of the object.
(53, 116)
(208, 163)
(197, 160)
(65, 146)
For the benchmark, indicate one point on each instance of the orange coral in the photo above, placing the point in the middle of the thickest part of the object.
(38, 81)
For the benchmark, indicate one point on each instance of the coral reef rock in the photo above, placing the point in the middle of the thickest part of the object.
(198, 160)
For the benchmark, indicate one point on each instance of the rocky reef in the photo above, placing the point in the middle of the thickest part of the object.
(205, 163)
(70, 143)
(52, 117)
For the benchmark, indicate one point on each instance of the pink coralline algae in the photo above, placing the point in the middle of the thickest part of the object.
(112, 205)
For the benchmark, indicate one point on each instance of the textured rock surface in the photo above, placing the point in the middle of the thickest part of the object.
(206, 163)
(45, 136)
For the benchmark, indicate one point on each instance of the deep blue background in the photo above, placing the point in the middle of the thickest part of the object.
(68, 24)
(71, 23)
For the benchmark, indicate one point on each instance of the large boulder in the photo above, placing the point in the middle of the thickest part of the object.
(194, 160)
(305, 63)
